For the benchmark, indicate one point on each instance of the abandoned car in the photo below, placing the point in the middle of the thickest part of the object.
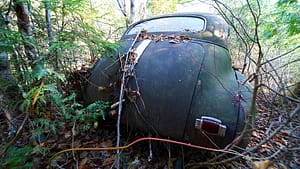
(178, 82)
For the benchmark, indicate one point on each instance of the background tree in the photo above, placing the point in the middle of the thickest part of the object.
(5, 72)
(158, 7)
(45, 43)
(135, 10)
(132, 10)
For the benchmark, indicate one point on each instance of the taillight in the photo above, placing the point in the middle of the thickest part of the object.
(211, 125)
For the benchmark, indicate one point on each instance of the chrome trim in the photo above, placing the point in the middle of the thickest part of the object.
(221, 127)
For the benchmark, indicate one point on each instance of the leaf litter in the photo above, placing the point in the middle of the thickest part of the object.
(281, 151)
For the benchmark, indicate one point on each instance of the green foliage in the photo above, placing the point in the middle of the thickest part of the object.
(278, 32)
(282, 19)
(22, 157)
(288, 15)
(76, 41)
(36, 93)
(91, 114)
(286, 2)
(42, 124)
(17, 158)
(40, 67)
(74, 112)
(97, 109)
(281, 29)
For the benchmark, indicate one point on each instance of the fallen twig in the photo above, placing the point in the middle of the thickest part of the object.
(15, 137)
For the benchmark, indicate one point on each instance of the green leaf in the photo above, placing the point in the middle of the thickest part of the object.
(18, 157)
(39, 71)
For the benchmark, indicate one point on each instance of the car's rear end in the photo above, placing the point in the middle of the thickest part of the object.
(180, 83)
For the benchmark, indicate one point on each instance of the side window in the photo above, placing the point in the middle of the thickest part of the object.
(170, 24)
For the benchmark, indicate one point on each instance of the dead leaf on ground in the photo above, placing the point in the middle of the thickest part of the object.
(84, 154)
(67, 134)
(266, 146)
(109, 161)
(83, 162)
(107, 143)
(255, 134)
(84, 167)
(286, 132)
(261, 164)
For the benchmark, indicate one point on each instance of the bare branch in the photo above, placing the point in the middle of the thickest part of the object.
(282, 55)
(294, 112)
(274, 91)
(4, 151)
(8, 10)
(241, 24)
(122, 6)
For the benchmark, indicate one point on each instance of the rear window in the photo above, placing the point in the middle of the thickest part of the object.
(170, 24)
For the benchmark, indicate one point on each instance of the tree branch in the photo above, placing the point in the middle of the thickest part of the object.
(122, 7)
(279, 56)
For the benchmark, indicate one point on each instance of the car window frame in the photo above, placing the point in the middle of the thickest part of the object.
(168, 16)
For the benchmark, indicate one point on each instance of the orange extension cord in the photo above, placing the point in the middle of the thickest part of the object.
(225, 150)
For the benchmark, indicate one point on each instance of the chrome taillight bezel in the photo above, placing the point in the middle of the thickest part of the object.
(211, 125)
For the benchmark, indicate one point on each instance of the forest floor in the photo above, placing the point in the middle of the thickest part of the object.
(279, 151)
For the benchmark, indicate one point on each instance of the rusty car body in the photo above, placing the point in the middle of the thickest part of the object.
(179, 81)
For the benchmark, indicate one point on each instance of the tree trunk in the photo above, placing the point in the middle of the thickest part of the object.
(48, 20)
(5, 74)
(23, 16)
(5, 71)
(137, 10)
(53, 54)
